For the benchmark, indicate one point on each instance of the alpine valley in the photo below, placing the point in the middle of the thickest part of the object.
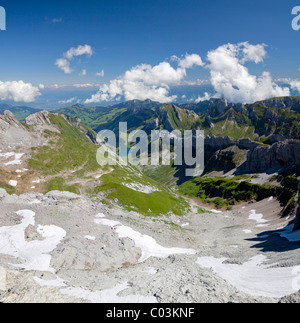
(72, 231)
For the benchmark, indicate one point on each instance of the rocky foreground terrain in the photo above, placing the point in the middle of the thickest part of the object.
(61, 247)
(87, 246)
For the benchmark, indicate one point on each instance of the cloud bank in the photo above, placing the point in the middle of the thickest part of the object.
(18, 91)
(226, 64)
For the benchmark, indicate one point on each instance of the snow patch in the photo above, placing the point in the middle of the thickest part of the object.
(90, 238)
(16, 161)
(150, 248)
(58, 282)
(151, 271)
(215, 211)
(36, 254)
(13, 183)
(141, 188)
(7, 155)
(253, 277)
(256, 217)
(109, 296)
(100, 215)
(38, 181)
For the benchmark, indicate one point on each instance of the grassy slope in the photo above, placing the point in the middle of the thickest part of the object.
(165, 175)
(233, 124)
(155, 203)
(180, 119)
(227, 192)
(71, 150)
(92, 117)
(287, 123)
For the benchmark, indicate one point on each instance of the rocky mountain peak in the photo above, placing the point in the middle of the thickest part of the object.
(7, 120)
(8, 114)
(39, 118)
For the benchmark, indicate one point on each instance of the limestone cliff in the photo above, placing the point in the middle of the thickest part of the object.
(281, 154)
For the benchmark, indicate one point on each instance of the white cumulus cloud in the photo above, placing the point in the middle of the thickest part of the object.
(253, 53)
(64, 65)
(145, 81)
(18, 91)
(79, 51)
(231, 78)
(101, 74)
(295, 84)
(64, 62)
(206, 97)
(191, 60)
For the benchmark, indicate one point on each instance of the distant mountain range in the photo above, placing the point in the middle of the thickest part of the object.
(241, 140)
(258, 121)
(20, 112)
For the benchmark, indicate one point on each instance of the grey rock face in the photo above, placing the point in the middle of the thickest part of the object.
(280, 154)
(275, 138)
(218, 106)
(39, 118)
(7, 120)
(213, 143)
(13, 133)
(283, 103)
(209, 122)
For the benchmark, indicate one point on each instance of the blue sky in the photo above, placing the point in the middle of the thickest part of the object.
(126, 33)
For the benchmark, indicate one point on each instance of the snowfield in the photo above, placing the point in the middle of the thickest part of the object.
(70, 249)
(35, 254)
(253, 277)
(108, 296)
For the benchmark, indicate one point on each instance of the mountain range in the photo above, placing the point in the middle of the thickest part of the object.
(68, 223)
(279, 116)
(240, 139)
